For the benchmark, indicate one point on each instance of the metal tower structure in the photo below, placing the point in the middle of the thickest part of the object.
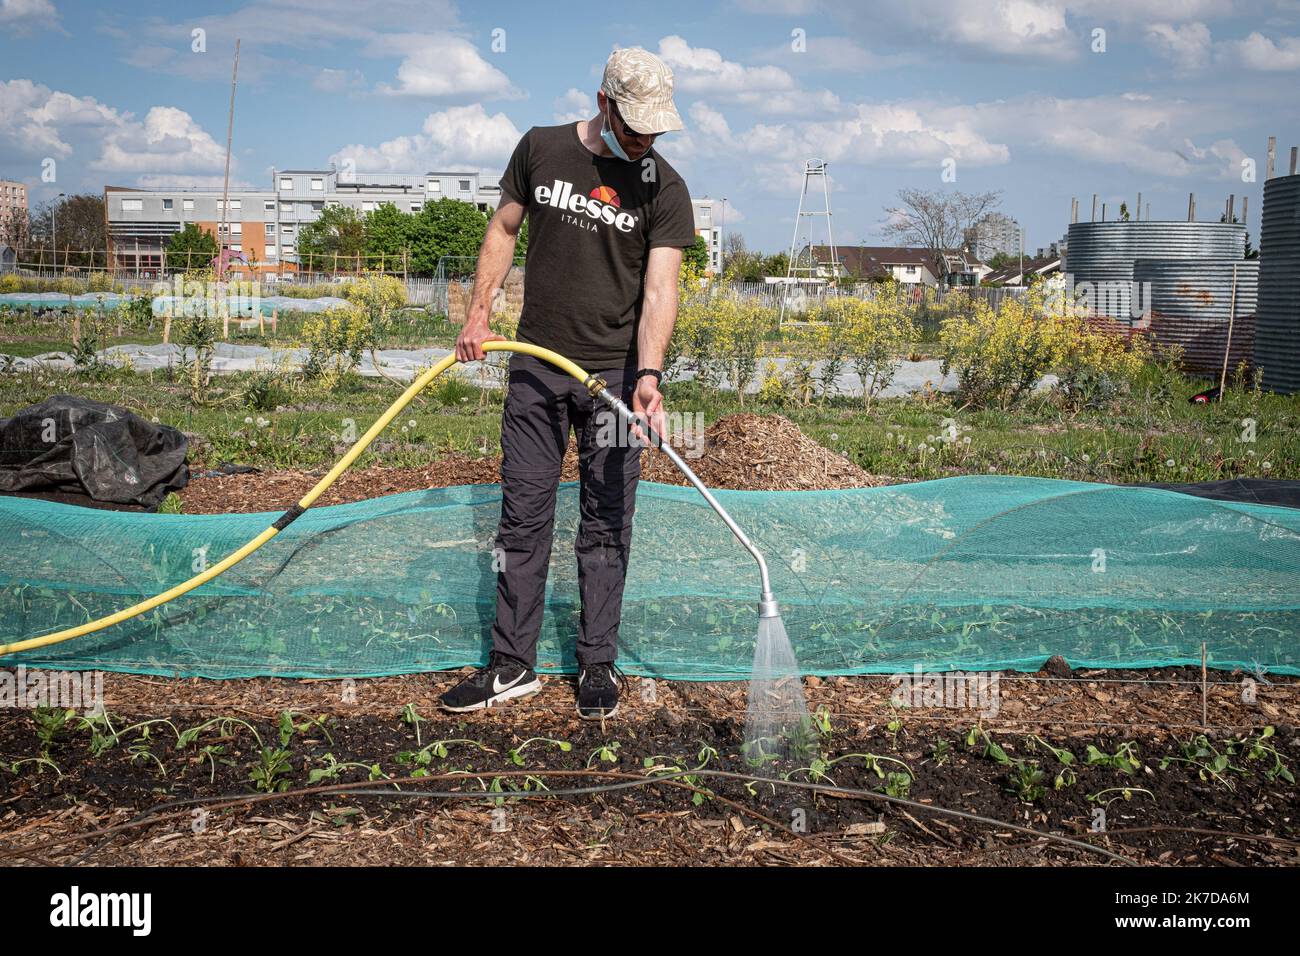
(803, 264)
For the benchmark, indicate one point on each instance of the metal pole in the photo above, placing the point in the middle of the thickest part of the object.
(225, 187)
(767, 606)
(1232, 314)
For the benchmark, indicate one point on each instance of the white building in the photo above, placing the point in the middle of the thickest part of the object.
(706, 212)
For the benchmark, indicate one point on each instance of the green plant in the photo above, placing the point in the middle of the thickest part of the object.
(411, 718)
(516, 755)
(1258, 748)
(1026, 781)
(288, 726)
(271, 774)
(332, 767)
(991, 749)
(1124, 758)
(1066, 776)
(606, 753)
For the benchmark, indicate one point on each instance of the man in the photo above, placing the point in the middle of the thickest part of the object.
(607, 222)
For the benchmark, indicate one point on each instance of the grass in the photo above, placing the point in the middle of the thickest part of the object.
(914, 438)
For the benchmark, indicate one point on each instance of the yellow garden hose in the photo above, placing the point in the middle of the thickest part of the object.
(593, 384)
(304, 503)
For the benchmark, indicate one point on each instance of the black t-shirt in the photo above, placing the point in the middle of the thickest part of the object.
(592, 222)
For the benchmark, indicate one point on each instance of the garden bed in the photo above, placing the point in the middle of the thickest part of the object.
(1182, 808)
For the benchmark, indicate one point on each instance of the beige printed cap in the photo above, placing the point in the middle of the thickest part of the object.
(642, 86)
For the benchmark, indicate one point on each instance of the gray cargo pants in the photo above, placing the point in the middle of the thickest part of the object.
(541, 404)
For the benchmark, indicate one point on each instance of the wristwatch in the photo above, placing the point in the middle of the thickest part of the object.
(657, 373)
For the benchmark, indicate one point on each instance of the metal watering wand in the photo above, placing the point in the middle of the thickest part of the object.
(767, 606)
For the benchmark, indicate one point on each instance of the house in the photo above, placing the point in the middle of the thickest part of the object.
(1012, 275)
(906, 264)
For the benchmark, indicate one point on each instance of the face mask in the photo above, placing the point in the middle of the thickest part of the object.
(611, 140)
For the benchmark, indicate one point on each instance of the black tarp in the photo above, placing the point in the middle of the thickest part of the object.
(1257, 491)
(70, 446)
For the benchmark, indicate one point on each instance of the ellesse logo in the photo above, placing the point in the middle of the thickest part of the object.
(602, 205)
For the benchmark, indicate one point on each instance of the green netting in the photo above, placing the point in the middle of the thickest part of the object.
(971, 573)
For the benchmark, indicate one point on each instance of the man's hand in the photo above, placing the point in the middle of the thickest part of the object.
(475, 331)
(648, 404)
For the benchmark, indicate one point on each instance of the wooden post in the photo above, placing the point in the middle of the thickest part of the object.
(1191, 207)
(275, 319)
(1205, 689)
(1295, 158)
(1227, 348)
(1272, 157)
(1094, 207)
(1245, 205)
(1103, 212)
(1139, 208)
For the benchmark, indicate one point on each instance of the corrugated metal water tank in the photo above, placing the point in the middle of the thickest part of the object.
(1277, 323)
(1191, 303)
(1102, 254)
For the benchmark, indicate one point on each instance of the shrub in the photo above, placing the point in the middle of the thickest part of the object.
(874, 332)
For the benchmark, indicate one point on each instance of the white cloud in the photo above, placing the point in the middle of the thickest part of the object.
(1188, 46)
(182, 181)
(574, 105)
(459, 136)
(23, 16)
(1258, 52)
(37, 122)
(702, 70)
(337, 81)
(441, 65)
(167, 140)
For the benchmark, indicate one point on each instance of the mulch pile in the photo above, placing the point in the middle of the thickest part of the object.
(743, 452)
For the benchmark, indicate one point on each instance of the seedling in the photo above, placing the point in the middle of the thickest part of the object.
(1259, 750)
(51, 724)
(1209, 762)
(606, 753)
(991, 749)
(424, 757)
(516, 755)
(1026, 781)
(1123, 793)
(412, 719)
(288, 726)
(271, 775)
(1124, 758)
(333, 767)
(1066, 777)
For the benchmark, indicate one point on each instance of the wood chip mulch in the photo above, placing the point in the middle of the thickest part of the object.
(743, 452)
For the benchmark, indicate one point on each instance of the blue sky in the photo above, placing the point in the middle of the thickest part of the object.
(1024, 96)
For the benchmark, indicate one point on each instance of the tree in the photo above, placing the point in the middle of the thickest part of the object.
(337, 235)
(78, 228)
(191, 248)
(447, 227)
(387, 231)
(695, 257)
(937, 221)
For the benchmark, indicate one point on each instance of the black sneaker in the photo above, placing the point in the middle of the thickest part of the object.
(501, 680)
(598, 690)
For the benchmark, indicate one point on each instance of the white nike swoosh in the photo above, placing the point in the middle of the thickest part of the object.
(498, 687)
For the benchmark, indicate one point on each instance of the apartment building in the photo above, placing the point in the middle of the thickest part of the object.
(262, 225)
(706, 210)
(13, 209)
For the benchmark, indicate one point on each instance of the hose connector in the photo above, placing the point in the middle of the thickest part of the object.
(767, 605)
